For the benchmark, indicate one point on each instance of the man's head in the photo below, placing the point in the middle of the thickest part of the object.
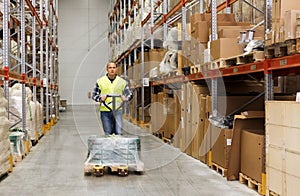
(111, 69)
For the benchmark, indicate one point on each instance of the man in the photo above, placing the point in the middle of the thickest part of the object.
(106, 85)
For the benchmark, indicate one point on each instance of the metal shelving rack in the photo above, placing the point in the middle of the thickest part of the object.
(29, 20)
(265, 67)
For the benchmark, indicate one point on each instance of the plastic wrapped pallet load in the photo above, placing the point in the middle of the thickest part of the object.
(34, 116)
(18, 138)
(31, 120)
(113, 152)
(4, 132)
(39, 118)
(15, 105)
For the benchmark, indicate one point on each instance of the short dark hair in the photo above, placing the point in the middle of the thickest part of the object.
(110, 63)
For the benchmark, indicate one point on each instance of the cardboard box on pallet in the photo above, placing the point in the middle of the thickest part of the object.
(202, 98)
(156, 55)
(186, 48)
(183, 118)
(197, 127)
(187, 31)
(290, 24)
(147, 116)
(200, 31)
(196, 57)
(177, 122)
(188, 126)
(205, 144)
(282, 147)
(225, 47)
(252, 161)
(279, 7)
(247, 120)
(234, 31)
(197, 52)
(187, 61)
(221, 148)
(197, 17)
(193, 113)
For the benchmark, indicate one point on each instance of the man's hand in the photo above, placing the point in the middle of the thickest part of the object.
(123, 98)
(103, 98)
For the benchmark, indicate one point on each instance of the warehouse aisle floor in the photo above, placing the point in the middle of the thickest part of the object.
(55, 166)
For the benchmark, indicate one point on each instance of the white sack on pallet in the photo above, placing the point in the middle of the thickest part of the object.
(16, 90)
(29, 94)
(3, 111)
(172, 39)
(169, 63)
(4, 162)
(153, 72)
(15, 106)
(4, 127)
(4, 143)
(39, 117)
(4, 148)
(3, 102)
(1, 92)
(31, 119)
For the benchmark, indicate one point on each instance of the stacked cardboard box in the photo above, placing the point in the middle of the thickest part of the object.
(250, 120)
(216, 139)
(222, 146)
(282, 147)
(252, 161)
(279, 7)
(290, 24)
(163, 113)
(228, 31)
(298, 26)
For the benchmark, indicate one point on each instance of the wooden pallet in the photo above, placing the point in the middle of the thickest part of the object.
(166, 140)
(3, 176)
(219, 169)
(172, 73)
(208, 66)
(271, 193)
(256, 56)
(195, 69)
(281, 49)
(253, 184)
(121, 170)
(158, 134)
(19, 158)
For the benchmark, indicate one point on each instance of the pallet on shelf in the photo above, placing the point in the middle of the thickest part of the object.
(255, 56)
(288, 47)
(195, 69)
(207, 66)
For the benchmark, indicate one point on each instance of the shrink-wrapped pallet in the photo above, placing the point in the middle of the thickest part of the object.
(4, 132)
(39, 117)
(31, 120)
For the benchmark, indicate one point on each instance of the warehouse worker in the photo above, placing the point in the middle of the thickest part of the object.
(105, 86)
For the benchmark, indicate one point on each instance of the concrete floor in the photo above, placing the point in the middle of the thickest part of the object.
(55, 166)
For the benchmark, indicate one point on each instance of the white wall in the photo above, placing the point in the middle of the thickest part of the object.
(83, 47)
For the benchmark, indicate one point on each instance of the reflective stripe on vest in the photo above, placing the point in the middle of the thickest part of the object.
(108, 87)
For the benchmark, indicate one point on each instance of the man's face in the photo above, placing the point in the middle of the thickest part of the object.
(111, 69)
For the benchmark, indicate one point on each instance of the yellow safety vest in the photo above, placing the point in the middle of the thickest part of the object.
(108, 87)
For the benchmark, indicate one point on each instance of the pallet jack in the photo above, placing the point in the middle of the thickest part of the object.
(118, 153)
